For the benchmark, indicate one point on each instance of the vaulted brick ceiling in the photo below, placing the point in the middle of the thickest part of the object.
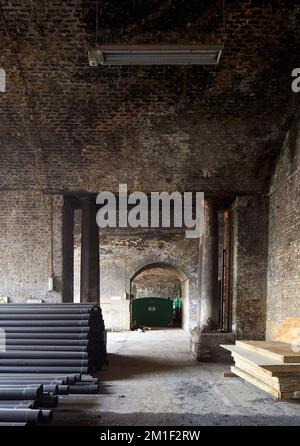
(69, 127)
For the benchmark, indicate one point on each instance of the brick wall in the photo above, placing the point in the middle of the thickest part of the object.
(249, 267)
(25, 246)
(69, 128)
(156, 282)
(178, 128)
(284, 234)
(123, 254)
(25, 256)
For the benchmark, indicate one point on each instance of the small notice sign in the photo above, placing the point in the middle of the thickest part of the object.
(151, 308)
(2, 81)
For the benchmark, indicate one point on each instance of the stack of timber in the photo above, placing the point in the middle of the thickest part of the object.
(273, 366)
(47, 351)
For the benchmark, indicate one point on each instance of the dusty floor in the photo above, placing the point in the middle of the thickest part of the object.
(152, 380)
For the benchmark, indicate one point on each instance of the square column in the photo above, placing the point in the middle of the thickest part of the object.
(90, 276)
(207, 337)
(209, 301)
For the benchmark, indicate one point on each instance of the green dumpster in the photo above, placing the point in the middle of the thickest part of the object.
(151, 312)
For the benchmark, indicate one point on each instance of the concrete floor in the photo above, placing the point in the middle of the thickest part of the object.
(152, 380)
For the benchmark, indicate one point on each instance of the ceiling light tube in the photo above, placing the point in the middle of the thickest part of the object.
(155, 55)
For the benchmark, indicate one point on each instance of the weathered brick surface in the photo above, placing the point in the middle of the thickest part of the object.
(156, 282)
(65, 127)
(249, 267)
(123, 253)
(284, 235)
(25, 246)
(204, 128)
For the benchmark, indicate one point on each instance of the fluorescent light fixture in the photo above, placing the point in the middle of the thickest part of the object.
(155, 55)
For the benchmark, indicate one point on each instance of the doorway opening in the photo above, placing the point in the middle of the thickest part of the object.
(225, 270)
(159, 297)
(77, 255)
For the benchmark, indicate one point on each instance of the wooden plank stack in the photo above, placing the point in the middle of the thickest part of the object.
(273, 366)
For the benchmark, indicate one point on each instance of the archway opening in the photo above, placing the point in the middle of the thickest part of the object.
(159, 297)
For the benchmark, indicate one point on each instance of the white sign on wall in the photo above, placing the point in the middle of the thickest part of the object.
(2, 340)
(2, 80)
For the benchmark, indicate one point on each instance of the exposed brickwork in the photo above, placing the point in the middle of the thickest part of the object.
(122, 255)
(156, 282)
(249, 267)
(205, 128)
(284, 234)
(25, 246)
(66, 127)
(68, 252)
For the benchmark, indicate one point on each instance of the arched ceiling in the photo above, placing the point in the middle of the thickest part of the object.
(158, 274)
(68, 127)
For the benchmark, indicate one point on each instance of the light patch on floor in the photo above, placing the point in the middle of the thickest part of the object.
(151, 379)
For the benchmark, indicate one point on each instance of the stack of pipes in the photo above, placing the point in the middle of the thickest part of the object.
(49, 351)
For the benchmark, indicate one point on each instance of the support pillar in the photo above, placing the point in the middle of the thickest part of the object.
(89, 284)
(68, 251)
(209, 301)
(207, 337)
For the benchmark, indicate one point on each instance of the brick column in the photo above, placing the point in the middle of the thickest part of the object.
(89, 284)
(209, 300)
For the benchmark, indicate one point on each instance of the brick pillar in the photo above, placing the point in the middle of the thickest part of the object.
(89, 284)
(67, 251)
(209, 301)
(206, 338)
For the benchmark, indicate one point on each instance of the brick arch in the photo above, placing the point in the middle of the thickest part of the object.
(182, 276)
